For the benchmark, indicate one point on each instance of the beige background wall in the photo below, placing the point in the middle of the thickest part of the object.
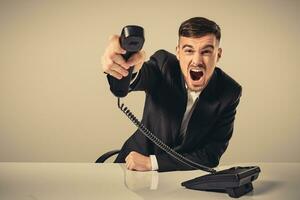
(55, 104)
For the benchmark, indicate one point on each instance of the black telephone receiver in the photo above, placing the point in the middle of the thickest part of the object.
(235, 181)
(131, 40)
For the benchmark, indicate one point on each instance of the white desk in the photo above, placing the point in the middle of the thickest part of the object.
(88, 181)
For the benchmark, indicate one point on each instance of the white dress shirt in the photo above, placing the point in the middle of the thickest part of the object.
(192, 97)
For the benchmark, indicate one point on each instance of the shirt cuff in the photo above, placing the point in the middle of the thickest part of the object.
(154, 163)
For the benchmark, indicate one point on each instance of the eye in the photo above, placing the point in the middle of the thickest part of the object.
(206, 52)
(188, 51)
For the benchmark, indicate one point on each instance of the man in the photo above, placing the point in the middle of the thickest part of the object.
(190, 103)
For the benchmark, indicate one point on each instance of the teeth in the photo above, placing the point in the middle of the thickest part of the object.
(196, 70)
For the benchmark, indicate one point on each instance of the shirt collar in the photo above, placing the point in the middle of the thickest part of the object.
(193, 94)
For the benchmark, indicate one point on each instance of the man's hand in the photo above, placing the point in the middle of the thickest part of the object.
(114, 64)
(137, 161)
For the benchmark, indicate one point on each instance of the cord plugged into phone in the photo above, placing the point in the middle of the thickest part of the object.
(235, 181)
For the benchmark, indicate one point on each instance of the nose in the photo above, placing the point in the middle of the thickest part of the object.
(197, 60)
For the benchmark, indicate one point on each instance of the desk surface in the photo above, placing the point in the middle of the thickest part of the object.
(35, 181)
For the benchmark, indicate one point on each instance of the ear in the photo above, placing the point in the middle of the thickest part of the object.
(219, 54)
(177, 52)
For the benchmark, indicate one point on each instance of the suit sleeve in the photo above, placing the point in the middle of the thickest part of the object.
(216, 143)
(149, 75)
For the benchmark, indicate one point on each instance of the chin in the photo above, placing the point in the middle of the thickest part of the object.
(196, 85)
(195, 88)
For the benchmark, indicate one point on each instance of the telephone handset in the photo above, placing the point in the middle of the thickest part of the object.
(235, 181)
(131, 40)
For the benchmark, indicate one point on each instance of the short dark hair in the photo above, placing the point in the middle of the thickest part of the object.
(198, 27)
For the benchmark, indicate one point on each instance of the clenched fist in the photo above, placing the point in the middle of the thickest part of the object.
(114, 64)
(137, 161)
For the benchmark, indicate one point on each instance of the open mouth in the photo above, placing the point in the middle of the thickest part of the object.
(197, 77)
(196, 74)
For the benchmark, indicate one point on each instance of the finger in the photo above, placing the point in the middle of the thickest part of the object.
(117, 68)
(106, 64)
(131, 166)
(109, 64)
(128, 164)
(114, 41)
(136, 58)
(128, 159)
(117, 58)
(115, 74)
(128, 167)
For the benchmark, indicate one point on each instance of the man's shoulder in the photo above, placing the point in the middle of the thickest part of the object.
(227, 86)
(164, 59)
(225, 78)
(163, 54)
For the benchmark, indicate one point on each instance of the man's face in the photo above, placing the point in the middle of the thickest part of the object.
(198, 58)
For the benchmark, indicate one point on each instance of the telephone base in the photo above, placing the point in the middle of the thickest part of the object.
(235, 181)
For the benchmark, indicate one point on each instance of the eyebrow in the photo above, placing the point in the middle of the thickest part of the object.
(206, 46)
(187, 45)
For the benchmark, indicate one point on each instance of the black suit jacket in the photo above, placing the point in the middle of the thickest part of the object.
(211, 124)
